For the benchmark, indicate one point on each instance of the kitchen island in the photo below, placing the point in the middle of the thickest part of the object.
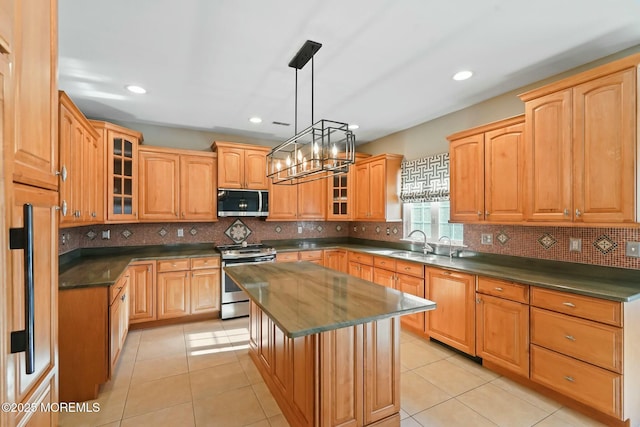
(327, 344)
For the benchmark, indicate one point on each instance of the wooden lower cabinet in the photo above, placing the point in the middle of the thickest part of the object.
(336, 259)
(384, 277)
(118, 320)
(344, 377)
(174, 294)
(362, 271)
(142, 292)
(205, 291)
(414, 286)
(453, 320)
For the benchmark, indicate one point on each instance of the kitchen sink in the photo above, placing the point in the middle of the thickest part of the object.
(413, 255)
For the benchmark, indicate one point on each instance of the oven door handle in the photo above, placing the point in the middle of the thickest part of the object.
(224, 264)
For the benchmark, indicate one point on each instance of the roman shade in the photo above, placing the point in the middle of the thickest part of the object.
(425, 179)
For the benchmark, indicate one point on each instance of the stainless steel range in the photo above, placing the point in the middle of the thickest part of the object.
(235, 303)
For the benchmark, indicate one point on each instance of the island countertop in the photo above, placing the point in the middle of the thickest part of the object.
(303, 298)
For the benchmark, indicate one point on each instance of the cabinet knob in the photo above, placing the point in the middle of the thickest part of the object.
(499, 289)
(479, 214)
(566, 212)
(569, 304)
(486, 213)
(64, 208)
(478, 300)
(62, 173)
(176, 213)
(123, 297)
(570, 379)
(570, 337)
(183, 215)
(93, 214)
(578, 213)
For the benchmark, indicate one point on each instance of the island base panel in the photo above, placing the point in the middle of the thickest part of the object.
(344, 377)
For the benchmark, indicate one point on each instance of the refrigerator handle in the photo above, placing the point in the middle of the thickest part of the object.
(22, 238)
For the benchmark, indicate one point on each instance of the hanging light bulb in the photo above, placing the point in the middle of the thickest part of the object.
(316, 149)
(299, 156)
(288, 161)
(278, 166)
(334, 150)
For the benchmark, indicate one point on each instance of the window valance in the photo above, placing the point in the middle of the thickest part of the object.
(425, 179)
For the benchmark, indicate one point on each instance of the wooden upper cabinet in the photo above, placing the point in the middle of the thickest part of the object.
(581, 146)
(158, 185)
(121, 179)
(177, 185)
(377, 182)
(81, 167)
(341, 193)
(604, 148)
(283, 202)
(241, 165)
(487, 172)
(35, 147)
(198, 188)
(504, 174)
(312, 203)
(548, 154)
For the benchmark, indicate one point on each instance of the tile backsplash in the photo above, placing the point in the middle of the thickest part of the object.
(222, 232)
(599, 246)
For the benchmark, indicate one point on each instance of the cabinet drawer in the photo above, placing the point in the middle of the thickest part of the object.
(593, 386)
(116, 289)
(287, 257)
(585, 340)
(411, 268)
(383, 262)
(310, 255)
(205, 262)
(578, 305)
(361, 258)
(173, 265)
(500, 288)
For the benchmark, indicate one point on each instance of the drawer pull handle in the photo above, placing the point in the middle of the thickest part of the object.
(407, 268)
(173, 265)
(447, 273)
(570, 337)
(499, 289)
(570, 379)
(569, 304)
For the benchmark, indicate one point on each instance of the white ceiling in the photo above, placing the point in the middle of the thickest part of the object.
(384, 64)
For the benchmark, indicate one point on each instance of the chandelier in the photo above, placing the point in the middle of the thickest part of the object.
(325, 148)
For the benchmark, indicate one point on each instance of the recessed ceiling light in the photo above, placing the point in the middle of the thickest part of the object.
(136, 89)
(462, 75)
(255, 120)
(353, 126)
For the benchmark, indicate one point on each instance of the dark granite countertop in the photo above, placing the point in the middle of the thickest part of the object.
(102, 267)
(616, 284)
(303, 298)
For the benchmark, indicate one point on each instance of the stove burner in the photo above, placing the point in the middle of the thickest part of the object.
(248, 251)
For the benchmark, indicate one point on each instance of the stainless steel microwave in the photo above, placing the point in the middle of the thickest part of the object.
(233, 202)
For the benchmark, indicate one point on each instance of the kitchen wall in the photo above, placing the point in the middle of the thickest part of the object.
(197, 232)
(429, 138)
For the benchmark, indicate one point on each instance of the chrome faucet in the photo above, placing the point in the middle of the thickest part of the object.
(450, 249)
(427, 247)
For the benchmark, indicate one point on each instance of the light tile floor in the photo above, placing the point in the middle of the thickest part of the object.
(199, 374)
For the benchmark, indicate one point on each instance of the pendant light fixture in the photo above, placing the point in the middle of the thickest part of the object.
(325, 148)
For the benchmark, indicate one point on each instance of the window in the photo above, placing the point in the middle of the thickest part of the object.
(433, 219)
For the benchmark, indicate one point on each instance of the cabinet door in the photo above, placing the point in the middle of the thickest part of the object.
(198, 188)
(35, 148)
(124, 313)
(548, 157)
(255, 170)
(205, 291)
(604, 144)
(68, 151)
(283, 202)
(231, 167)
(92, 185)
(336, 259)
(384, 277)
(142, 293)
(340, 198)
(502, 329)
(377, 190)
(361, 195)
(312, 203)
(45, 260)
(122, 177)
(504, 174)
(467, 179)
(115, 318)
(414, 286)
(453, 321)
(159, 177)
(366, 272)
(173, 294)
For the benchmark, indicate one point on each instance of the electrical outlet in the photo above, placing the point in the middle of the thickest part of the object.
(575, 244)
(388, 231)
(64, 239)
(632, 249)
(486, 239)
(180, 232)
(355, 228)
(299, 229)
(106, 234)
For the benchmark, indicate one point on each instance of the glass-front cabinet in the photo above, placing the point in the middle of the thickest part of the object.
(340, 189)
(122, 171)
